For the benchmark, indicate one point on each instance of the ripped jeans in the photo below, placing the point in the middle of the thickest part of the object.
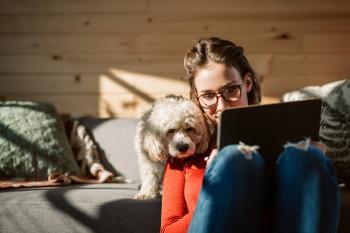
(236, 193)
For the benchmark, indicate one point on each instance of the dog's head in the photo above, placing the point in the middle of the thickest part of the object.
(179, 128)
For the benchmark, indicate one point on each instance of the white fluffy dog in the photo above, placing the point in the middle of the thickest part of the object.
(174, 126)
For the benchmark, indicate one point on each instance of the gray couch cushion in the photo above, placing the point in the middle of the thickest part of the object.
(116, 139)
(78, 208)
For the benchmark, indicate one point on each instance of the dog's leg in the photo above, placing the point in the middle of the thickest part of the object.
(151, 178)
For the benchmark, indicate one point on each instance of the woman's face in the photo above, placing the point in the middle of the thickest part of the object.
(215, 78)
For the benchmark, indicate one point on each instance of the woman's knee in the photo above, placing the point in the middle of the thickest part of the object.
(235, 167)
(238, 157)
(308, 154)
(305, 160)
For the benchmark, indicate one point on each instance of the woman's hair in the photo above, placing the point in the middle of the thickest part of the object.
(219, 51)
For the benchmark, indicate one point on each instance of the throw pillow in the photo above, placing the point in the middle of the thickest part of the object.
(335, 121)
(33, 143)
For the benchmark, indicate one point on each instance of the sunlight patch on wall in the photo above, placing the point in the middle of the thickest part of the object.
(128, 94)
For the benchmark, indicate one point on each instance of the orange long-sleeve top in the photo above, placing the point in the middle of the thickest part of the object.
(181, 185)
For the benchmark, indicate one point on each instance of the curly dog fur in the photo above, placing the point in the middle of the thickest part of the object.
(174, 126)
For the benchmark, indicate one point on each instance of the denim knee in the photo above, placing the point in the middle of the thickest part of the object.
(233, 160)
(233, 192)
(310, 160)
(307, 195)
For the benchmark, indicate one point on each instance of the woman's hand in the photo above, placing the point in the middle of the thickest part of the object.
(306, 143)
(319, 145)
(213, 153)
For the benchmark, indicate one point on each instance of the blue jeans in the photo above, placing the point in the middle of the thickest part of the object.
(304, 196)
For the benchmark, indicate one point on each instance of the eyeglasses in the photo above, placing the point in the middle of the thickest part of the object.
(229, 94)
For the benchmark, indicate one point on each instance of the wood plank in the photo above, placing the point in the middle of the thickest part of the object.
(184, 7)
(159, 65)
(260, 63)
(326, 43)
(116, 82)
(269, 100)
(169, 43)
(141, 83)
(48, 44)
(49, 84)
(277, 85)
(77, 105)
(252, 42)
(311, 64)
(251, 7)
(74, 104)
(77, 23)
(272, 22)
(311, 6)
(240, 7)
(107, 24)
(317, 24)
(166, 66)
(71, 6)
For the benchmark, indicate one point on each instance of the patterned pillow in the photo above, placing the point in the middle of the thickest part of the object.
(33, 143)
(335, 121)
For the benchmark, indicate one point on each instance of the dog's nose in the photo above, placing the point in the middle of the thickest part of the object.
(182, 147)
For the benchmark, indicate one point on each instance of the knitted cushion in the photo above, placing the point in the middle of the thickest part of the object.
(335, 121)
(33, 143)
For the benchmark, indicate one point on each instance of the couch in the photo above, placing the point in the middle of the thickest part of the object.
(106, 207)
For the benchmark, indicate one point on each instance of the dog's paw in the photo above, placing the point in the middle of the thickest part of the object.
(144, 196)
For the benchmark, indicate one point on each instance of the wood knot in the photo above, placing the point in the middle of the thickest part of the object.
(77, 78)
(57, 57)
(35, 44)
(283, 36)
(206, 27)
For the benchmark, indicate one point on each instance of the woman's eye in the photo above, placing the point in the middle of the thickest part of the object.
(209, 96)
(231, 90)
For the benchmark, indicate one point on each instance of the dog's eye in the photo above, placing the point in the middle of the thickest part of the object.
(170, 131)
(189, 129)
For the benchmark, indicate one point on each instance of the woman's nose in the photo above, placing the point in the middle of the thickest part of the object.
(222, 104)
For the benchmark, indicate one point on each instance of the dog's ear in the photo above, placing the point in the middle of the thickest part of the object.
(155, 149)
(208, 129)
(211, 126)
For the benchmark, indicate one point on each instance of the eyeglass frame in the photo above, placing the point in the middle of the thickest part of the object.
(222, 96)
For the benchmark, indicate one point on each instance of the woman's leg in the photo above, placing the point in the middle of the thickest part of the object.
(233, 193)
(307, 195)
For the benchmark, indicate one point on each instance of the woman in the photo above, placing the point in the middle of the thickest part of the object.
(233, 191)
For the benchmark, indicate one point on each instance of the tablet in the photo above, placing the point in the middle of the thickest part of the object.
(270, 126)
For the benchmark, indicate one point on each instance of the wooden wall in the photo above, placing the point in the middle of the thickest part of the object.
(114, 57)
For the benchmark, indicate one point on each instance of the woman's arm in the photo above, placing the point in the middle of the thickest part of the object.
(175, 216)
